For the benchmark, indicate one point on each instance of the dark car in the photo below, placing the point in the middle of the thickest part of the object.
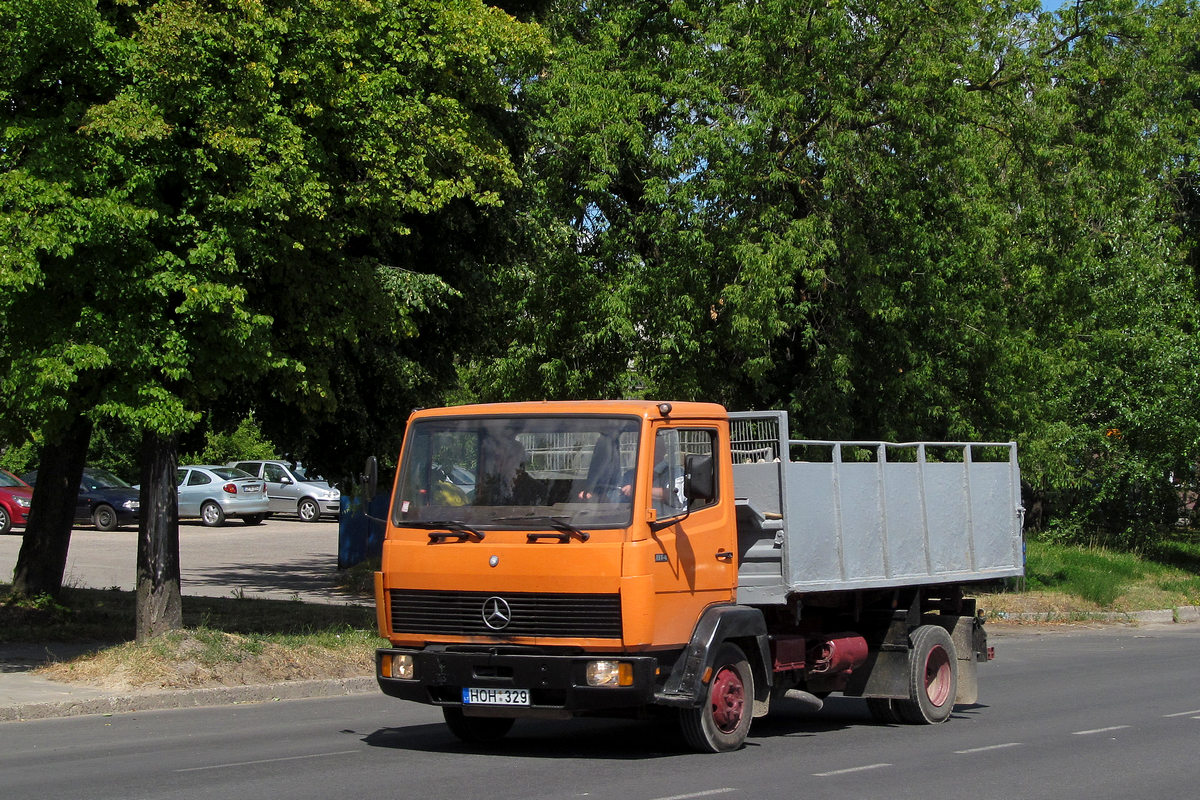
(105, 500)
(15, 495)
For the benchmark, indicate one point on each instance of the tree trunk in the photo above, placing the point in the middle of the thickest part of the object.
(43, 557)
(159, 605)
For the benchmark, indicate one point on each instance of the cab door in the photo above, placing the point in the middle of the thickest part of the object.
(692, 525)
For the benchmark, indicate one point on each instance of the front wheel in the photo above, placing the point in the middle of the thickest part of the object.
(253, 519)
(722, 723)
(104, 518)
(5, 522)
(308, 510)
(932, 677)
(476, 730)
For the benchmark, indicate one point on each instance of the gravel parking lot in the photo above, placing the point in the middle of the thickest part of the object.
(281, 559)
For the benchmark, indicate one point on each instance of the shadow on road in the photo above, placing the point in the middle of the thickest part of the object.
(619, 739)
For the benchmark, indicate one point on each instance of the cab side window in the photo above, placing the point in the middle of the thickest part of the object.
(683, 471)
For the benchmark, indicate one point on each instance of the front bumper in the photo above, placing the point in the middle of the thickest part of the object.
(557, 683)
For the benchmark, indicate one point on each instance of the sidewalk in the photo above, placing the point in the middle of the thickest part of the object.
(25, 696)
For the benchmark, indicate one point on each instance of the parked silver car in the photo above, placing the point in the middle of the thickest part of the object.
(291, 491)
(214, 493)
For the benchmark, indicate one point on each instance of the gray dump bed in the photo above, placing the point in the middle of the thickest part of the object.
(862, 515)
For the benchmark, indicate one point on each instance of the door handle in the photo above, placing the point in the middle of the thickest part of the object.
(725, 555)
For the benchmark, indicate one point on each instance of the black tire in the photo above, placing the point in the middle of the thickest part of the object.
(5, 521)
(476, 730)
(212, 515)
(104, 518)
(932, 677)
(883, 710)
(253, 519)
(308, 510)
(722, 722)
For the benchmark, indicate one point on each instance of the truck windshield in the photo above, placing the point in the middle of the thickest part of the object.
(528, 473)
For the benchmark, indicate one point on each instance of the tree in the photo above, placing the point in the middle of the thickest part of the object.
(225, 195)
(897, 220)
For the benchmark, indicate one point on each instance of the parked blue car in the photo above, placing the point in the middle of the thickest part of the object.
(105, 500)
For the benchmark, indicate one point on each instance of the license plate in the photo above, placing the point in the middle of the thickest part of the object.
(252, 488)
(495, 697)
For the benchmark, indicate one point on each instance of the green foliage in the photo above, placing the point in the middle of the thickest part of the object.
(896, 220)
(19, 459)
(243, 442)
(219, 203)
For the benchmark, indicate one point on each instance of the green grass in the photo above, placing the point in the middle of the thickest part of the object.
(224, 641)
(107, 615)
(1062, 577)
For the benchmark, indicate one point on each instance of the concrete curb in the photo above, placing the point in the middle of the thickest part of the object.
(1182, 614)
(189, 698)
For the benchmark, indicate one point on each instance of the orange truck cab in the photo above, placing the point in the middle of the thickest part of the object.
(555, 559)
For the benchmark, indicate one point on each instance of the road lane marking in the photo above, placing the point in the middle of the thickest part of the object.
(705, 793)
(1182, 714)
(989, 747)
(265, 761)
(848, 770)
(1100, 730)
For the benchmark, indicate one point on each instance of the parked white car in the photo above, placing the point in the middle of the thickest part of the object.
(214, 493)
(291, 491)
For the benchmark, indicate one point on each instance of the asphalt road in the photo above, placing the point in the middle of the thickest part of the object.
(1087, 714)
(281, 559)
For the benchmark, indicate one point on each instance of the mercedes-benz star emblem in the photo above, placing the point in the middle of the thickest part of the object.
(496, 613)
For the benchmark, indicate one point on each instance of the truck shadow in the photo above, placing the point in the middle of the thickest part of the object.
(618, 739)
(605, 739)
(630, 740)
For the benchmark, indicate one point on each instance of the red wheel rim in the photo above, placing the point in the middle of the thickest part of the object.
(937, 676)
(728, 699)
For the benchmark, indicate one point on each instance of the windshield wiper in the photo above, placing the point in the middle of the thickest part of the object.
(453, 529)
(563, 529)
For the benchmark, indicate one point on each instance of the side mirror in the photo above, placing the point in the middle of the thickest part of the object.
(699, 480)
(370, 476)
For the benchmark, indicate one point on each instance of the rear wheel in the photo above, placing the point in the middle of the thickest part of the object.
(308, 510)
(932, 677)
(723, 721)
(253, 519)
(212, 515)
(476, 730)
(104, 518)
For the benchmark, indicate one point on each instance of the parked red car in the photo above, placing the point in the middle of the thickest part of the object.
(15, 495)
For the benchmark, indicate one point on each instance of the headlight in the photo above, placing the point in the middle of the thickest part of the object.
(132, 505)
(609, 673)
(397, 666)
(23, 502)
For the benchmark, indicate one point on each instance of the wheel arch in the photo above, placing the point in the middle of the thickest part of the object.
(743, 626)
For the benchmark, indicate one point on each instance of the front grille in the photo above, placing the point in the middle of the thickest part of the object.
(545, 615)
